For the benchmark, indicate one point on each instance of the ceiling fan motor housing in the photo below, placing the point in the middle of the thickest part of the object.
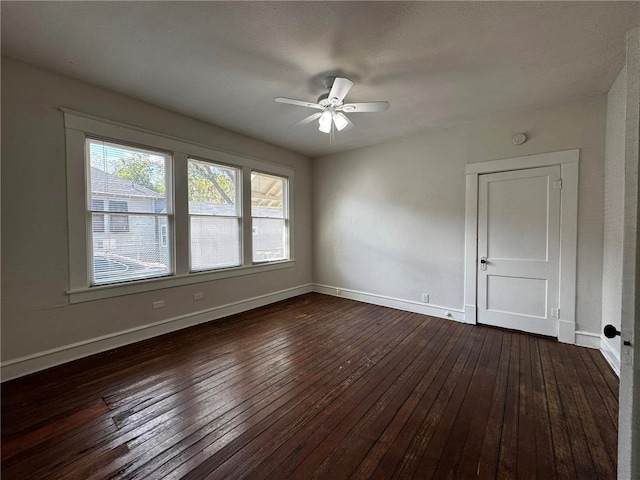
(323, 100)
(328, 81)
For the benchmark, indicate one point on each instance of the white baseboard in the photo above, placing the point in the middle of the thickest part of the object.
(610, 355)
(588, 339)
(391, 302)
(19, 367)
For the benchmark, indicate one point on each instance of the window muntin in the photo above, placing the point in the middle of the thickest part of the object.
(269, 215)
(214, 216)
(133, 182)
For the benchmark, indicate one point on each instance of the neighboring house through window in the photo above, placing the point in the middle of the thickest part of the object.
(118, 223)
(131, 182)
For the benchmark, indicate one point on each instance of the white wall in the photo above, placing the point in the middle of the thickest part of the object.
(389, 219)
(614, 215)
(36, 314)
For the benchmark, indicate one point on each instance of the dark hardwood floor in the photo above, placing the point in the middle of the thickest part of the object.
(323, 388)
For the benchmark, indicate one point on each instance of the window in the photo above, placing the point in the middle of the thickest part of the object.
(269, 217)
(161, 212)
(135, 183)
(215, 220)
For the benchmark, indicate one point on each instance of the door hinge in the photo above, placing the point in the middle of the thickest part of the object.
(558, 184)
(555, 312)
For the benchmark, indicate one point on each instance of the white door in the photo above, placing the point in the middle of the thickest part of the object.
(518, 249)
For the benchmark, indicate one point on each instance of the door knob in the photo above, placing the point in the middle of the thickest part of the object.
(610, 331)
(483, 263)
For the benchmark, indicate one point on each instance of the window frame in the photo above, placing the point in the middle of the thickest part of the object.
(239, 212)
(285, 217)
(80, 126)
(123, 214)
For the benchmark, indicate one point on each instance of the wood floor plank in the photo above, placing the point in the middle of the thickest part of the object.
(390, 435)
(437, 423)
(266, 410)
(35, 436)
(448, 373)
(351, 436)
(434, 452)
(565, 464)
(603, 463)
(545, 466)
(318, 387)
(479, 403)
(202, 419)
(136, 432)
(589, 364)
(487, 464)
(507, 462)
(526, 461)
(359, 380)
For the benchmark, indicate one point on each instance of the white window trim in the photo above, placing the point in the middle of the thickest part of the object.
(79, 126)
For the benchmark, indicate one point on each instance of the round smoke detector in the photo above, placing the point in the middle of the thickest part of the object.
(519, 139)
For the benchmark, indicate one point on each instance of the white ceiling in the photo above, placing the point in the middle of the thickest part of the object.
(437, 63)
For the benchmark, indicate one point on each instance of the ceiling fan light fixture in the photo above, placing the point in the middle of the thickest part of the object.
(331, 106)
(340, 121)
(325, 122)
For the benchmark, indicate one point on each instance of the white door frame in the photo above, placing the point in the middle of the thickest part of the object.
(629, 399)
(568, 161)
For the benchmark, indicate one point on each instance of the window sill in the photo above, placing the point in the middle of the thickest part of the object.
(116, 290)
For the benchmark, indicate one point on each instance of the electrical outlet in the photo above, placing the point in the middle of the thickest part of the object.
(157, 305)
(425, 298)
(198, 296)
(338, 291)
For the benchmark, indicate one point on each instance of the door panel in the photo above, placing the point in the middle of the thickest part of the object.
(522, 296)
(519, 236)
(517, 229)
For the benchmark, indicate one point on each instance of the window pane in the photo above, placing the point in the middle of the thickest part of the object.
(267, 193)
(212, 189)
(129, 212)
(214, 242)
(213, 206)
(269, 237)
(127, 179)
(135, 254)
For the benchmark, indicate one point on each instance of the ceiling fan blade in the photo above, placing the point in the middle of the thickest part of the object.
(341, 121)
(340, 88)
(366, 107)
(310, 118)
(299, 103)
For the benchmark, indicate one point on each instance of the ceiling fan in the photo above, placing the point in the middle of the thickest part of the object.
(332, 106)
